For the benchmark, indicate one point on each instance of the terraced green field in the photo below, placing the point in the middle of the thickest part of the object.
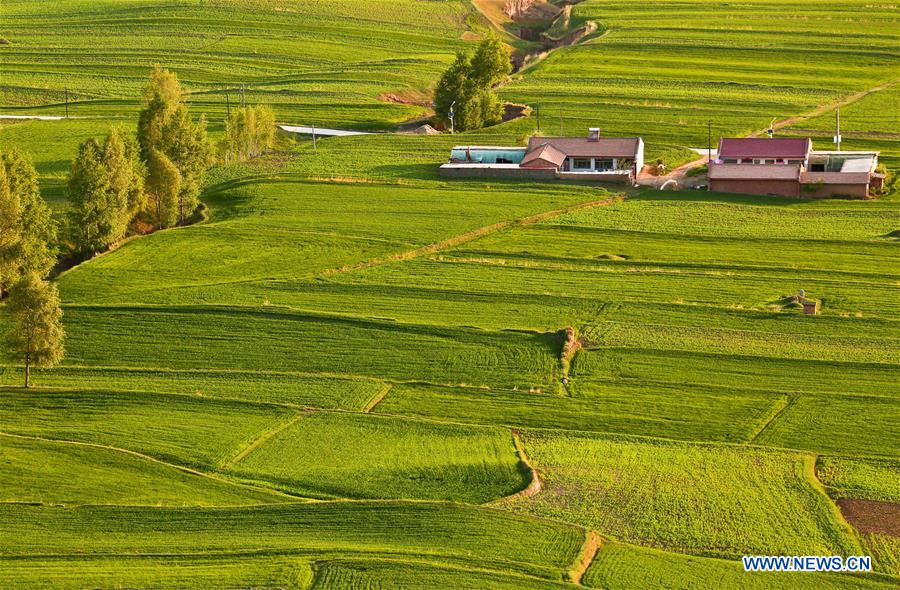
(355, 374)
(668, 72)
(315, 62)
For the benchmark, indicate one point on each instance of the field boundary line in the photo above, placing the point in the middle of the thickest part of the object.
(809, 473)
(376, 399)
(773, 417)
(592, 543)
(182, 468)
(825, 108)
(534, 486)
(467, 237)
(261, 439)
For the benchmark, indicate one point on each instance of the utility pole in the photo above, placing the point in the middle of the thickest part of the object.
(450, 115)
(537, 111)
(227, 105)
(837, 137)
(708, 142)
(67, 101)
(560, 122)
(315, 149)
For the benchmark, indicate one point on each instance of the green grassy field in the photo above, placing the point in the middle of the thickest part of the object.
(695, 499)
(378, 457)
(349, 375)
(667, 73)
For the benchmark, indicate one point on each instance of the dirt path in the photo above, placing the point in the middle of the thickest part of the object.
(260, 440)
(825, 108)
(778, 411)
(534, 486)
(466, 237)
(138, 455)
(678, 176)
(592, 544)
(377, 399)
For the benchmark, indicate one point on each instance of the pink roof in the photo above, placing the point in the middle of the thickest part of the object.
(755, 147)
(544, 154)
(582, 147)
(754, 171)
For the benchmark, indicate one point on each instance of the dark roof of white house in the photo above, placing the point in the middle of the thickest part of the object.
(545, 152)
(583, 147)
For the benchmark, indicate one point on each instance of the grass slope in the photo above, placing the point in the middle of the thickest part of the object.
(620, 566)
(381, 457)
(713, 500)
(54, 472)
(187, 430)
(520, 544)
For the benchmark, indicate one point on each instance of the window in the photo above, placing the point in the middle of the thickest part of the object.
(581, 163)
(818, 167)
(603, 164)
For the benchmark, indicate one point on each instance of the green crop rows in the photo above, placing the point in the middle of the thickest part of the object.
(350, 374)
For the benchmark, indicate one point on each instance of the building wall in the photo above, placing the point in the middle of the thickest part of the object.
(781, 188)
(859, 191)
(596, 177)
(639, 157)
(788, 188)
(499, 173)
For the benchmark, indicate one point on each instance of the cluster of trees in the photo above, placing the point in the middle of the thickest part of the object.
(105, 191)
(468, 86)
(249, 132)
(157, 176)
(27, 237)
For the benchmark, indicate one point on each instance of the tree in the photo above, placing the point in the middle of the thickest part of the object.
(10, 234)
(264, 138)
(165, 126)
(36, 334)
(455, 86)
(26, 222)
(105, 190)
(91, 217)
(490, 64)
(121, 156)
(249, 132)
(163, 188)
(469, 82)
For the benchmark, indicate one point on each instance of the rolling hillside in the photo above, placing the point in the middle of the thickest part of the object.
(356, 374)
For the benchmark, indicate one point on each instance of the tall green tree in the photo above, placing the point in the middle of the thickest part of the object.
(10, 234)
(163, 188)
(105, 190)
(165, 126)
(36, 333)
(121, 156)
(455, 90)
(469, 83)
(92, 217)
(490, 64)
(249, 132)
(29, 231)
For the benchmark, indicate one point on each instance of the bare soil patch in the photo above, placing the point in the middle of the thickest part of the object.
(872, 516)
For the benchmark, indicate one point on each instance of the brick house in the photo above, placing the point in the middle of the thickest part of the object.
(789, 167)
(593, 158)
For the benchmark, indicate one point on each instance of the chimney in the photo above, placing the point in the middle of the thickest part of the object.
(594, 134)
